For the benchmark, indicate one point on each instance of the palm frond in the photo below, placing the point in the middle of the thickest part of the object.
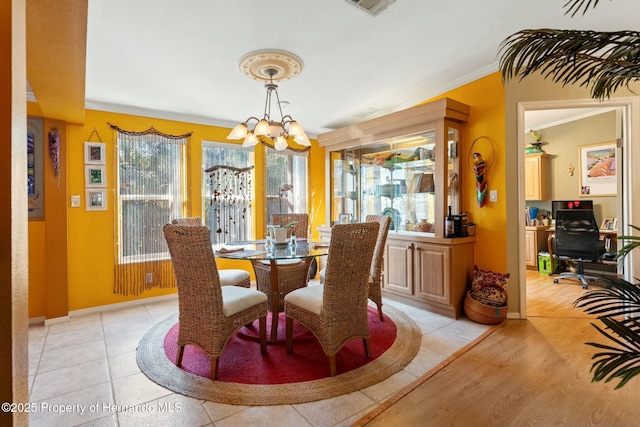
(574, 6)
(618, 298)
(634, 242)
(616, 363)
(604, 61)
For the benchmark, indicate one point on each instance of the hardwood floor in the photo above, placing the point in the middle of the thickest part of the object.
(548, 299)
(532, 372)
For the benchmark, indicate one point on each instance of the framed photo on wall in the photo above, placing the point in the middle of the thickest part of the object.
(95, 176)
(598, 171)
(35, 173)
(95, 153)
(96, 199)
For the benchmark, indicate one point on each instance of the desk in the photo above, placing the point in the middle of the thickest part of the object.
(257, 252)
(551, 230)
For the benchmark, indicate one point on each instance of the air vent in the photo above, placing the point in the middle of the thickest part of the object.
(373, 7)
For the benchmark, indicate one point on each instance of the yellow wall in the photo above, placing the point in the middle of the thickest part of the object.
(485, 96)
(90, 237)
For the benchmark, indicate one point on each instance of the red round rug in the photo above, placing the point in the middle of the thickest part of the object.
(242, 362)
(159, 368)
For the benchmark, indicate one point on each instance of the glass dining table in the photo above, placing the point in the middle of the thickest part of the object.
(260, 251)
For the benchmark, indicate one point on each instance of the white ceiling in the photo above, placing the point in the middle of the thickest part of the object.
(178, 59)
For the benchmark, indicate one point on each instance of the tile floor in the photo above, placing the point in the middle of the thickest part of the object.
(89, 363)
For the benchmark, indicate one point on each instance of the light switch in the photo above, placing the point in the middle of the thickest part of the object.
(75, 201)
(493, 195)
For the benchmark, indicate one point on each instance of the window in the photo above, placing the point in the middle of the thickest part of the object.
(228, 215)
(286, 168)
(151, 192)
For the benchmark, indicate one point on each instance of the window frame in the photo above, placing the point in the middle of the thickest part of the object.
(179, 208)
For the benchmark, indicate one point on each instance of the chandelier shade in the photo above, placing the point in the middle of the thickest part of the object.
(268, 129)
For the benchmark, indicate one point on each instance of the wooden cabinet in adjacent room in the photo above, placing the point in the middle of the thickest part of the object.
(535, 239)
(536, 171)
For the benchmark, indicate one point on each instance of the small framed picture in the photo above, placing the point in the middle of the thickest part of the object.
(609, 224)
(95, 153)
(344, 218)
(96, 199)
(95, 176)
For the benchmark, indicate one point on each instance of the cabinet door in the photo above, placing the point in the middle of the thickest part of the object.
(431, 270)
(398, 265)
(532, 178)
(530, 245)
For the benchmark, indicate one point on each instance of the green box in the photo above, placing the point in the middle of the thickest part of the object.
(544, 265)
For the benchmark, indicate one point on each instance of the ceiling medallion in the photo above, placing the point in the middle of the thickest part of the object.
(273, 129)
(259, 65)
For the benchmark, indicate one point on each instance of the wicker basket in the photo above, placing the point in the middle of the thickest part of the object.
(482, 313)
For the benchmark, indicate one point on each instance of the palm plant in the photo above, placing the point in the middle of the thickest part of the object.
(604, 62)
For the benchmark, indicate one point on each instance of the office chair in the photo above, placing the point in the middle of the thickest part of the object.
(577, 238)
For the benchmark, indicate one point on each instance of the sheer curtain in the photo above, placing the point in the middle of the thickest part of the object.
(151, 184)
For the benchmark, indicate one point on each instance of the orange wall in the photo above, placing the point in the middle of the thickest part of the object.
(90, 238)
(485, 96)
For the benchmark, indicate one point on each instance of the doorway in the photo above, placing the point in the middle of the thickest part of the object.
(552, 119)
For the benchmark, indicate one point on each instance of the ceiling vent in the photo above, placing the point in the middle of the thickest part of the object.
(373, 7)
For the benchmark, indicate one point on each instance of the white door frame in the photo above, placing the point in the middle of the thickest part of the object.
(630, 107)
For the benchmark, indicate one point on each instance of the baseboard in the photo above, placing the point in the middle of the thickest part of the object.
(36, 320)
(54, 320)
(100, 309)
(121, 305)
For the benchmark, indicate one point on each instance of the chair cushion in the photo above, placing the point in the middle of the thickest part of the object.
(232, 277)
(236, 299)
(309, 298)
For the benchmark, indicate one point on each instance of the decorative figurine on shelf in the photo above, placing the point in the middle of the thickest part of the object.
(534, 147)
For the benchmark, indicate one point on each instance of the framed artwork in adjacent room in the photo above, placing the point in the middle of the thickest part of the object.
(598, 171)
(609, 224)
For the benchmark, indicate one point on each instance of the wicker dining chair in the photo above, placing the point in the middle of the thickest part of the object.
(292, 274)
(336, 311)
(375, 277)
(228, 276)
(375, 274)
(209, 314)
(300, 227)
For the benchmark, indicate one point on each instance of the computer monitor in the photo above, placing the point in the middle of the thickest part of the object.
(570, 204)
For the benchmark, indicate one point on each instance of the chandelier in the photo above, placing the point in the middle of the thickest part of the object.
(265, 66)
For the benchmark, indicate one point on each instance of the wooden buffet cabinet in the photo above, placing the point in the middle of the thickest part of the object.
(407, 165)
